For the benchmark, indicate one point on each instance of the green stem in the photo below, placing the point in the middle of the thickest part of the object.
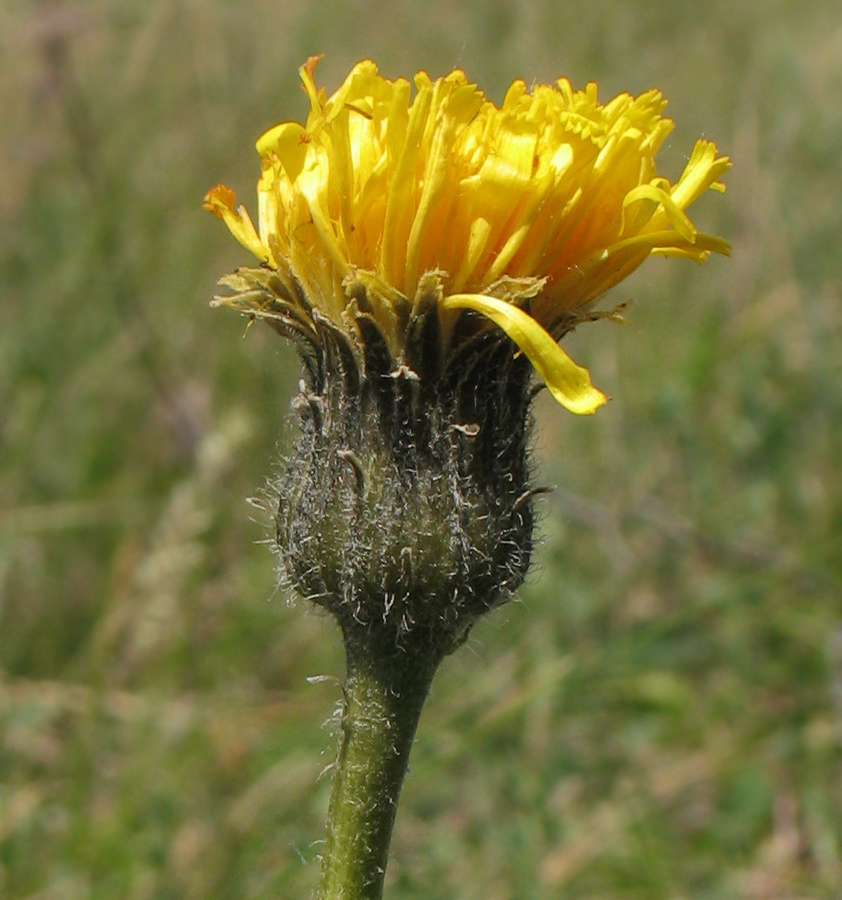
(385, 691)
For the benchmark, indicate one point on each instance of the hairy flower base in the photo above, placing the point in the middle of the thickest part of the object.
(406, 501)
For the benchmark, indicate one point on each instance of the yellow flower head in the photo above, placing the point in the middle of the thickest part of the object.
(525, 213)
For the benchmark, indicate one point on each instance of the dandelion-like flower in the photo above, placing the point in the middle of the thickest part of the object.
(525, 213)
(426, 254)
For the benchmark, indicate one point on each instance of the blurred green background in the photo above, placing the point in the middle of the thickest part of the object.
(661, 714)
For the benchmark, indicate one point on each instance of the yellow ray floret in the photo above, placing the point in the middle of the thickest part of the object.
(569, 383)
(220, 201)
(550, 185)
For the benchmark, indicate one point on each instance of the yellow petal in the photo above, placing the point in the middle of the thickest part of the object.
(289, 141)
(676, 216)
(701, 172)
(306, 73)
(220, 201)
(569, 383)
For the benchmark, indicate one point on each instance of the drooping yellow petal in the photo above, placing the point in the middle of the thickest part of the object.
(568, 382)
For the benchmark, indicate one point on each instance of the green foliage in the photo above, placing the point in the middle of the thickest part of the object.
(661, 715)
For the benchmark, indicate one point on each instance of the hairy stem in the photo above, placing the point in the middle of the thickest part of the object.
(385, 691)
